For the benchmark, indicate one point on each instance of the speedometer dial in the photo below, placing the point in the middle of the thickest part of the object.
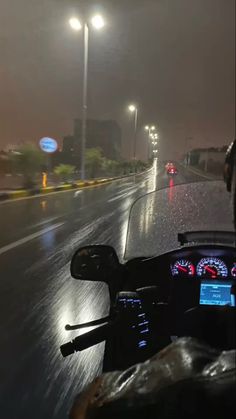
(183, 267)
(233, 270)
(212, 268)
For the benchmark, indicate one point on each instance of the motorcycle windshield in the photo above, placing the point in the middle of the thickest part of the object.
(157, 218)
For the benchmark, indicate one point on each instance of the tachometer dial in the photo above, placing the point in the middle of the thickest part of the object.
(183, 267)
(233, 270)
(212, 268)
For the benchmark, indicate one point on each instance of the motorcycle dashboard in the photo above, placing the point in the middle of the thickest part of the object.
(185, 275)
(213, 270)
(204, 263)
(157, 301)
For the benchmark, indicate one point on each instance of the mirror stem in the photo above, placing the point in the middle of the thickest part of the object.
(84, 325)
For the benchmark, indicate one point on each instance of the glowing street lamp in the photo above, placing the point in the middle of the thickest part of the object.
(151, 129)
(75, 24)
(132, 108)
(98, 22)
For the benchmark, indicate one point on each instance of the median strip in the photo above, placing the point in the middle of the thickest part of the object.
(23, 193)
(6, 196)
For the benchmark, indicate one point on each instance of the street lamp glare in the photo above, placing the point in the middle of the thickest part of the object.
(75, 24)
(132, 108)
(153, 128)
(98, 22)
(147, 128)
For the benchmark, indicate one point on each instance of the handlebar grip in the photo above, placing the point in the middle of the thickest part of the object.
(67, 349)
(86, 340)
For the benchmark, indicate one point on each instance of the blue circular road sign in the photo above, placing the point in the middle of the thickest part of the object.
(48, 145)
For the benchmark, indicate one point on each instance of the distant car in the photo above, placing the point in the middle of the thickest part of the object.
(171, 170)
(169, 165)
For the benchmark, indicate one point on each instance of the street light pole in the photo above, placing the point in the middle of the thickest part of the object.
(187, 141)
(98, 23)
(85, 97)
(135, 130)
(149, 145)
(134, 110)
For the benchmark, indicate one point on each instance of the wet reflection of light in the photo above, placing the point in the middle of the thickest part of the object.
(48, 239)
(171, 191)
(147, 218)
(65, 317)
(124, 226)
(78, 302)
(43, 205)
(72, 302)
(143, 217)
(69, 313)
(155, 174)
(151, 181)
(143, 226)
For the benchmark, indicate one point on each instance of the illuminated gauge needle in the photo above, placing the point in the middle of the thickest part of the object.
(211, 270)
(181, 268)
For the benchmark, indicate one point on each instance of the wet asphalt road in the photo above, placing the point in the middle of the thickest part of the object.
(38, 296)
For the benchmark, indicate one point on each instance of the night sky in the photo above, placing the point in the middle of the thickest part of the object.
(174, 58)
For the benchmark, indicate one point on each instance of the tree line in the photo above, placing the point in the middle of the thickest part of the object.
(30, 161)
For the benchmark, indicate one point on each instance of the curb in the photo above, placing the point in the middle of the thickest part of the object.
(23, 193)
(7, 196)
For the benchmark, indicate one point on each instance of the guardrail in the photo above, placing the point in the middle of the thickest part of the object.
(203, 173)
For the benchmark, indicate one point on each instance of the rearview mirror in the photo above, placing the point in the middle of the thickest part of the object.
(94, 263)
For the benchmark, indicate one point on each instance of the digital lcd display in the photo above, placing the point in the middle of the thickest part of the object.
(215, 293)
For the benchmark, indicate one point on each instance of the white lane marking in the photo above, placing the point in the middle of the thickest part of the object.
(115, 198)
(26, 239)
(47, 221)
(124, 195)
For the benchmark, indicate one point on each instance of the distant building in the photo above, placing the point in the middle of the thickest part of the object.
(70, 151)
(4, 162)
(103, 134)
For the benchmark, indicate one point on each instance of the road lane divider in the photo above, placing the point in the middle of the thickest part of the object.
(28, 238)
